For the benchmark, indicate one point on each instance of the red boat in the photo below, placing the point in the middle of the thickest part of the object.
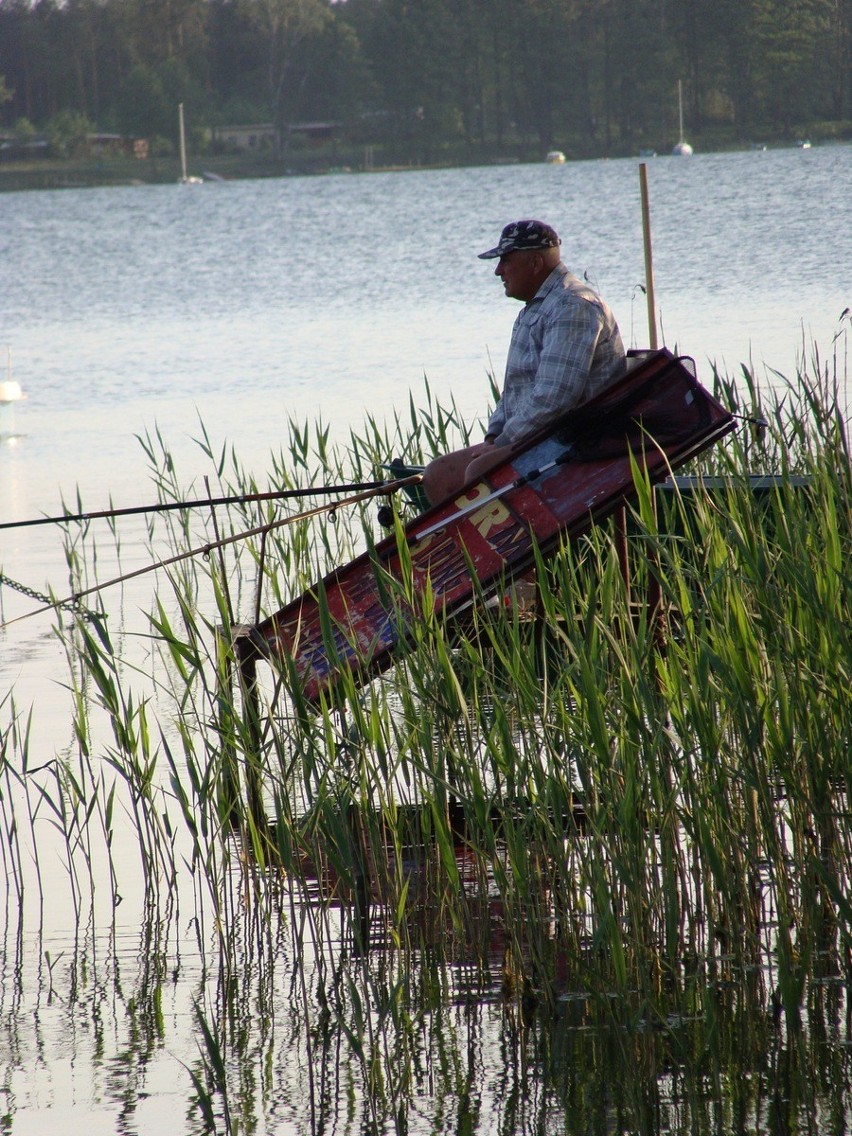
(554, 486)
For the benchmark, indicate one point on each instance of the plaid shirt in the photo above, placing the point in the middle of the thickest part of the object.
(565, 348)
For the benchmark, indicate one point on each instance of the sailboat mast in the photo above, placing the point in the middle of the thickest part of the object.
(681, 146)
(182, 142)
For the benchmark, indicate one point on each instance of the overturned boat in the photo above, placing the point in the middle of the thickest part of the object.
(552, 487)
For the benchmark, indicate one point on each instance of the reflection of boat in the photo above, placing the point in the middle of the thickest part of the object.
(184, 179)
(681, 147)
(553, 487)
(555, 157)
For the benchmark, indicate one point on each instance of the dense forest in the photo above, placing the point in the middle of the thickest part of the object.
(416, 76)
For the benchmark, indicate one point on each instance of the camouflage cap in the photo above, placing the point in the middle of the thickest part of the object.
(523, 235)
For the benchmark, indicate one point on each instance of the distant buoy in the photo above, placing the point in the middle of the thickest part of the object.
(10, 391)
(10, 394)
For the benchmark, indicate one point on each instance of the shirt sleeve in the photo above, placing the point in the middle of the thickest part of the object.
(496, 421)
(569, 337)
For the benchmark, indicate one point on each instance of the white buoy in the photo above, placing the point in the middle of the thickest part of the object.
(10, 391)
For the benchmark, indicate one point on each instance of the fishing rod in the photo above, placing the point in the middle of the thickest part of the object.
(197, 503)
(376, 490)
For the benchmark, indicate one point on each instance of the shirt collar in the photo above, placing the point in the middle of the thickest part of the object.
(554, 280)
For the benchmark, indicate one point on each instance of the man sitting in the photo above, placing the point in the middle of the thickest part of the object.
(565, 348)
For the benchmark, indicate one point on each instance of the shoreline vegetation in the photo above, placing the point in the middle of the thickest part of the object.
(627, 839)
(306, 160)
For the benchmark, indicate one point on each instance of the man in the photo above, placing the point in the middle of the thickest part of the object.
(565, 348)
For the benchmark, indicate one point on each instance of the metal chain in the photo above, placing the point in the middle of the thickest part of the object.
(73, 605)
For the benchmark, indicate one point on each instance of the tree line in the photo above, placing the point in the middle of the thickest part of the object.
(419, 75)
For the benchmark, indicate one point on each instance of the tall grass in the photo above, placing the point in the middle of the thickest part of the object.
(614, 814)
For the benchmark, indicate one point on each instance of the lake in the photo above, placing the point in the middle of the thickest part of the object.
(241, 306)
(248, 302)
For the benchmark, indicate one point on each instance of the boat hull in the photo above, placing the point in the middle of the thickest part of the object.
(553, 487)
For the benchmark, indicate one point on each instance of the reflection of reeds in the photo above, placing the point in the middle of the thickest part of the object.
(621, 820)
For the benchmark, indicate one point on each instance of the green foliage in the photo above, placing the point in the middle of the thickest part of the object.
(25, 132)
(148, 100)
(142, 108)
(515, 75)
(68, 132)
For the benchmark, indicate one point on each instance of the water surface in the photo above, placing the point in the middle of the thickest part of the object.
(242, 305)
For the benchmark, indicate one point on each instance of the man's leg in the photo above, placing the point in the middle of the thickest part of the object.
(447, 474)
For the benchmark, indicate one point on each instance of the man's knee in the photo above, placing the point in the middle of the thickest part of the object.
(446, 474)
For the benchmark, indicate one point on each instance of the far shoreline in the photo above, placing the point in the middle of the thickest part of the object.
(117, 170)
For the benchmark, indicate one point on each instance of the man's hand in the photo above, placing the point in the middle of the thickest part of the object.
(481, 464)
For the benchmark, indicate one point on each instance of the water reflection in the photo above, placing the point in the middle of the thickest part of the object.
(286, 1026)
(380, 999)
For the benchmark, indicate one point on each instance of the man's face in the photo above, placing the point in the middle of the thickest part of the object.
(520, 272)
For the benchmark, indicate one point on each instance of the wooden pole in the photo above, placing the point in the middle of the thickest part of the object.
(654, 590)
(649, 261)
(621, 514)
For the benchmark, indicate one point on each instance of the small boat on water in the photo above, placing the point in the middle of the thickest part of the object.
(553, 487)
(555, 158)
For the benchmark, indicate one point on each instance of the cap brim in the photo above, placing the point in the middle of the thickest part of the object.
(491, 254)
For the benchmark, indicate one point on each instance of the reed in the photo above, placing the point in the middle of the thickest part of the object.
(620, 816)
